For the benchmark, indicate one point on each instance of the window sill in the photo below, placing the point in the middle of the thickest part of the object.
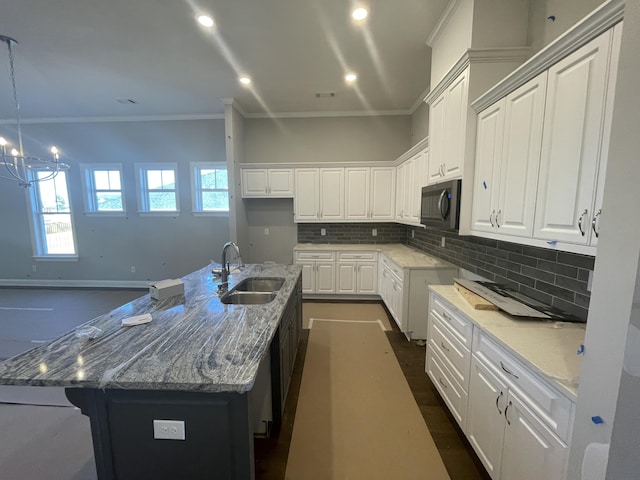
(210, 214)
(105, 214)
(159, 214)
(55, 258)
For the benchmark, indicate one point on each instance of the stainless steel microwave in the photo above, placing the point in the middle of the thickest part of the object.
(440, 205)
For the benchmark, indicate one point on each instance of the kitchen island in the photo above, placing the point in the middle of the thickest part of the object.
(196, 362)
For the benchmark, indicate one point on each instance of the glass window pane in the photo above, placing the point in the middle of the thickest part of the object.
(162, 201)
(109, 202)
(215, 201)
(58, 234)
(114, 180)
(154, 179)
(221, 179)
(207, 178)
(101, 179)
(168, 180)
(53, 194)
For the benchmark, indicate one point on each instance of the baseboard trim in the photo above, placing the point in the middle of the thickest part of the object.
(17, 282)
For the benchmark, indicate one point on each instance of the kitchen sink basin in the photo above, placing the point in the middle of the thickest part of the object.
(237, 297)
(259, 284)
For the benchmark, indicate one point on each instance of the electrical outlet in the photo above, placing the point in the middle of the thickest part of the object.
(266, 231)
(323, 231)
(442, 242)
(374, 232)
(133, 269)
(168, 430)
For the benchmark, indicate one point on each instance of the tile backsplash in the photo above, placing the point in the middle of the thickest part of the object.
(351, 233)
(552, 277)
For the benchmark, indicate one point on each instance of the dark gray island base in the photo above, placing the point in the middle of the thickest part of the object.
(196, 362)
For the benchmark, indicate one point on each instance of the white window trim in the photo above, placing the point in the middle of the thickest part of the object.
(88, 189)
(141, 189)
(38, 255)
(195, 191)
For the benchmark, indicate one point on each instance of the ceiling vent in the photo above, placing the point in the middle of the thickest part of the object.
(325, 94)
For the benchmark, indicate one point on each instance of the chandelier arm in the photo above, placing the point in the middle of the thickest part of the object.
(15, 95)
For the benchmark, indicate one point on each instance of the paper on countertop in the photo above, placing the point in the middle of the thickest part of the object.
(136, 320)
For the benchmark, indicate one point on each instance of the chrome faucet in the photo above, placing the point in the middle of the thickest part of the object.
(224, 271)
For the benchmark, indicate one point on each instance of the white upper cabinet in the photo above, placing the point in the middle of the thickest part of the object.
(571, 145)
(319, 194)
(411, 177)
(267, 182)
(370, 193)
(447, 130)
(507, 161)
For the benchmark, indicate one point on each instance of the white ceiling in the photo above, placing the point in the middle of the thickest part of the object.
(75, 58)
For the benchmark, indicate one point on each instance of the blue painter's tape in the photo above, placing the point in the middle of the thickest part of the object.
(581, 349)
(552, 242)
(484, 184)
(597, 420)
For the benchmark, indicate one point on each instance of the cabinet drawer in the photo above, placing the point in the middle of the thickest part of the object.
(456, 357)
(553, 407)
(459, 326)
(395, 269)
(319, 255)
(357, 256)
(453, 395)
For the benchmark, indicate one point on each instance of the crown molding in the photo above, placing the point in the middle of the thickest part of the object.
(419, 101)
(234, 103)
(139, 118)
(444, 20)
(477, 55)
(355, 113)
(597, 22)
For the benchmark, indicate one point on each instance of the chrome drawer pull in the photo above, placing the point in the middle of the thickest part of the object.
(444, 347)
(497, 400)
(582, 232)
(442, 382)
(593, 223)
(491, 218)
(508, 371)
(444, 314)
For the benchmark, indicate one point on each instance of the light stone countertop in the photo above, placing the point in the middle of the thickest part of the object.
(548, 348)
(401, 255)
(193, 343)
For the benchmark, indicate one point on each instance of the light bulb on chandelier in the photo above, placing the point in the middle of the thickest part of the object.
(15, 164)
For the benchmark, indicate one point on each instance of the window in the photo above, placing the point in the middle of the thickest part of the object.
(158, 188)
(52, 222)
(103, 188)
(210, 187)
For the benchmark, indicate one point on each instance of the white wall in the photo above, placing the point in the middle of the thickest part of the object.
(420, 124)
(611, 347)
(159, 247)
(567, 13)
(333, 139)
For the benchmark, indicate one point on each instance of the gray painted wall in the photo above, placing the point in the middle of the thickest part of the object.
(159, 247)
(332, 139)
(420, 124)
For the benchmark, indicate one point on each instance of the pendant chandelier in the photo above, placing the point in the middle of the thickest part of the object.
(15, 165)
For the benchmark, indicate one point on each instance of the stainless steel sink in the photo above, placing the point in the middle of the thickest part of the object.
(236, 297)
(259, 284)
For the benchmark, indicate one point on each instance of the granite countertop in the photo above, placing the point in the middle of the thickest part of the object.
(193, 343)
(401, 255)
(547, 348)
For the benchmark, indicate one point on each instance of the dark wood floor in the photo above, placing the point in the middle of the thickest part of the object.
(458, 456)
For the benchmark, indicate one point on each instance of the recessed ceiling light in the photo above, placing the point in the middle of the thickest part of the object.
(359, 14)
(245, 80)
(205, 21)
(350, 77)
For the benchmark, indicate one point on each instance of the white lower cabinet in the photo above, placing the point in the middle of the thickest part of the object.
(318, 271)
(356, 273)
(518, 425)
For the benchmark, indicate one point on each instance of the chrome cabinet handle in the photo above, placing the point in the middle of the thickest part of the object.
(444, 347)
(497, 217)
(508, 371)
(444, 192)
(505, 413)
(442, 382)
(582, 232)
(444, 314)
(491, 217)
(594, 221)
(497, 400)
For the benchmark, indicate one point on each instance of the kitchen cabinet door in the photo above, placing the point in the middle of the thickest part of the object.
(409, 190)
(307, 197)
(346, 280)
(530, 451)
(357, 193)
(383, 193)
(455, 126)
(325, 277)
(308, 276)
(486, 186)
(572, 134)
(485, 422)
(437, 148)
(523, 119)
(367, 276)
(331, 194)
(400, 174)
(254, 182)
(280, 182)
